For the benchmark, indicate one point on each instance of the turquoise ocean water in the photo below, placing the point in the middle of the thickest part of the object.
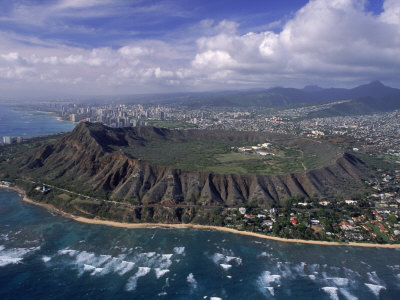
(45, 256)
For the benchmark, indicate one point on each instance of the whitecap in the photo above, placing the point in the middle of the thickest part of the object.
(179, 250)
(124, 267)
(338, 281)
(46, 259)
(373, 277)
(70, 252)
(6, 260)
(217, 258)
(85, 257)
(215, 298)
(96, 271)
(271, 290)
(190, 278)
(166, 256)
(160, 272)
(266, 278)
(225, 266)
(15, 255)
(132, 281)
(284, 269)
(347, 294)
(238, 260)
(332, 292)
(312, 277)
(375, 289)
(88, 268)
(150, 254)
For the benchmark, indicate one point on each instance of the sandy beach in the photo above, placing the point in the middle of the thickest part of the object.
(204, 227)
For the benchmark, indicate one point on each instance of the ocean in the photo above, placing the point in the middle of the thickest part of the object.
(29, 123)
(46, 256)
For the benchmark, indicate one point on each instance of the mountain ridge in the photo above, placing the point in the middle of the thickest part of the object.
(282, 97)
(86, 159)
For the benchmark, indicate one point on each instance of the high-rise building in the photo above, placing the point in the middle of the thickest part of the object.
(6, 140)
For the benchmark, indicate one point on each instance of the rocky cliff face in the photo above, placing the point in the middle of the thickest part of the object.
(88, 160)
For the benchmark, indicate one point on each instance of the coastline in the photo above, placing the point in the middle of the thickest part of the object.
(192, 226)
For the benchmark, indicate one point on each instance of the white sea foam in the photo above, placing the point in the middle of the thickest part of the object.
(2, 248)
(166, 256)
(6, 260)
(271, 290)
(165, 262)
(225, 266)
(265, 254)
(373, 277)
(92, 269)
(312, 277)
(238, 260)
(229, 276)
(46, 259)
(160, 272)
(70, 252)
(215, 298)
(375, 289)
(190, 278)
(347, 294)
(300, 268)
(338, 281)
(15, 255)
(5, 236)
(217, 258)
(332, 292)
(284, 268)
(132, 281)
(266, 281)
(267, 278)
(85, 257)
(150, 254)
(124, 267)
(179, 250)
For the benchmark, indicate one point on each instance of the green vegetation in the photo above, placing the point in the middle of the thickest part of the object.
(11, 151)
(222, 156)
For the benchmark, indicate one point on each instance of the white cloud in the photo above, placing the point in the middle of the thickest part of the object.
(325, 42)
(328, 38)
(213, 60)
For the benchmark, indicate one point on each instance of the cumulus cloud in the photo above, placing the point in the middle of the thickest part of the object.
(328, 38)
(325, 42)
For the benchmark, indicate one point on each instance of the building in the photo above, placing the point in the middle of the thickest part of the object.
(6, 140)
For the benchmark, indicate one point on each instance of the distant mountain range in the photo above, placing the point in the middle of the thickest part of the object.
(371, 97)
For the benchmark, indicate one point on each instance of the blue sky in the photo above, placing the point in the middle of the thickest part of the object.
(71, 47)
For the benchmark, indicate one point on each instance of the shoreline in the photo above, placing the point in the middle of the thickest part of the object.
(191, 226)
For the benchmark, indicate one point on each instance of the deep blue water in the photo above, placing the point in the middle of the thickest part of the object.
(47, 256)
(50, 257)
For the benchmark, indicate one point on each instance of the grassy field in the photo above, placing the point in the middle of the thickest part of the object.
(218, 157)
